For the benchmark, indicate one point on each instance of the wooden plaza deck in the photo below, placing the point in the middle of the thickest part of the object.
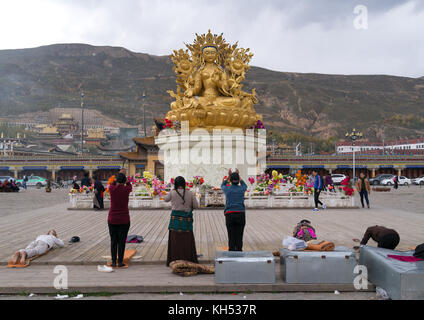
(265, 230)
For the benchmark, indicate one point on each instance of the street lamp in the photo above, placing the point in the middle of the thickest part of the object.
(353, 136)
(144, 113)
(82, 122)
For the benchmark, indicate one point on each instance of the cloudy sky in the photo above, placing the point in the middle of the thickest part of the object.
(322, 36)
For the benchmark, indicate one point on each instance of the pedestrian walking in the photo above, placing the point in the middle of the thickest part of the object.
(317, 190)
(364, 189)
(24, 182)
(396, 182)
(98, 197)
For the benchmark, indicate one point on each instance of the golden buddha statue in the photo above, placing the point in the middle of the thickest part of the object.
(209, 90)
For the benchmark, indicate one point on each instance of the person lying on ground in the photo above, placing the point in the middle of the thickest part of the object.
(385, 237)
(39, 246)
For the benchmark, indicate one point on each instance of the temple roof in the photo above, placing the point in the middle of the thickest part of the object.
(131, 156)
(146, 141)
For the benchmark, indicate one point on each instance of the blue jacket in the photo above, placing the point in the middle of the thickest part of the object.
(234, 196)
(318, 182)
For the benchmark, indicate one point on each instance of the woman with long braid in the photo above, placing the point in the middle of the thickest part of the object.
(181, 243)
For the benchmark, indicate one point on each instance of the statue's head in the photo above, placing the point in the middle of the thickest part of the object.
(209, 54)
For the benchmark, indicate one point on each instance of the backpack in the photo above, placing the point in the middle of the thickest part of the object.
(134, 239)
(305, 231)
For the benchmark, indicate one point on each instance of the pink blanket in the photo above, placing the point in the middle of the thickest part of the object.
(404, 258)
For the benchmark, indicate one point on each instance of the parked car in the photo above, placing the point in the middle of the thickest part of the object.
(337, 178)
(418, 181)
(3, 178)
(403, 181)
(33, 181)
(377, 180)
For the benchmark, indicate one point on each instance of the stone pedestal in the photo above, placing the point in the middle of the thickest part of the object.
(212, 154)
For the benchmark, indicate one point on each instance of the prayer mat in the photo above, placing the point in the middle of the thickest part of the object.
(128, 254)
(322, 246)
(188, 268)
(26, 264)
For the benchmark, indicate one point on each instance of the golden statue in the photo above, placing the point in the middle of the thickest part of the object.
(209, 90)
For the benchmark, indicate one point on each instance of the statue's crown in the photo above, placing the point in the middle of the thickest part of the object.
(207, 40)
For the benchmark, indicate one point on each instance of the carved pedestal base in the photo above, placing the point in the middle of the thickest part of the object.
(210, 155)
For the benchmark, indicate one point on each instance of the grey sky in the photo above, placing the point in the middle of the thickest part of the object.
(285, 35)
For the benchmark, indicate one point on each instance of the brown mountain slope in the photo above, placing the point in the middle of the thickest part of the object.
(113, 80)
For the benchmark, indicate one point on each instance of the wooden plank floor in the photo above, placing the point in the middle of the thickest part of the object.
(264, 230)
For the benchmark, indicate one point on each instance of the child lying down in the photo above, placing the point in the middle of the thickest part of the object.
(39, 246)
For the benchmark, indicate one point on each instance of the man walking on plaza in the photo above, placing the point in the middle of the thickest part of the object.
(235, 217)
(363, 188)
(317, 190)
(24, 182)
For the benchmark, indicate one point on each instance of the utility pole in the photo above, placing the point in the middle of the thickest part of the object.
(82, 123)
(353, 136)
(144, 113)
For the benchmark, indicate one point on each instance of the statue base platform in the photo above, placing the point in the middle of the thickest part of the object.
(211, 155)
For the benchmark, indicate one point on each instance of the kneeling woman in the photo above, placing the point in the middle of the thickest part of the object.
(181, 244)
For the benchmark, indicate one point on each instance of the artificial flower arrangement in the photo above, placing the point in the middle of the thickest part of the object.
(198, 181)
(83, 189)
(258, 125)
(347, 187)
(168, 123)
(176, 125)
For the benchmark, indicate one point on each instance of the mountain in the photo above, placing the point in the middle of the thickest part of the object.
(113, 80)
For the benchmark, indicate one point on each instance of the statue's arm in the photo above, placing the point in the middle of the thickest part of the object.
(197, 87)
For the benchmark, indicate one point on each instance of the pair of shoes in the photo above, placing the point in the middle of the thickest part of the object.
(315, 209)
(324, 207)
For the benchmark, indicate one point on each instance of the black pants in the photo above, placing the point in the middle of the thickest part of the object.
(389, 241)
(316, 198)
(118, 237)
(100, 201)
(235, 226)
(363, 194)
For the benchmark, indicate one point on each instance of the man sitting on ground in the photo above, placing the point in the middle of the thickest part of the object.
(386, 238)
(38, 247)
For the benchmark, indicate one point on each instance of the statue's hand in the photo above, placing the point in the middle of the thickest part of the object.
(188, 93)
(216, 78)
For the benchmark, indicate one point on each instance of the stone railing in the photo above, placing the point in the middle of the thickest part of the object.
(216, 198)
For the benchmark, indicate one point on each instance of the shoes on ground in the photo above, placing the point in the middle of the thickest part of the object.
(315, 209)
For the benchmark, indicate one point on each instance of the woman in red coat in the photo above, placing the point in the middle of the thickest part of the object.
(119, 217)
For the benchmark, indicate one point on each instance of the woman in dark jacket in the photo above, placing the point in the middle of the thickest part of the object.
(99, 190)
(119, 217)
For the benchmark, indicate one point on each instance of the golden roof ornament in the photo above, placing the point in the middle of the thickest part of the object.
(209, 93)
